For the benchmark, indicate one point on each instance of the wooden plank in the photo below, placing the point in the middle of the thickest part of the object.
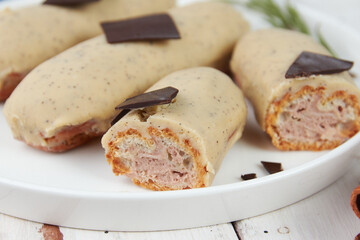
(325, 215)
(14, 228)
(222, 231)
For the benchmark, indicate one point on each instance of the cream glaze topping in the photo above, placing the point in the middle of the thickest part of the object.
(31, 35)
(209, 110)
(261, 59)
(87, 81)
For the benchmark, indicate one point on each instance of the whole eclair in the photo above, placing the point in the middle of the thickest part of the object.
(31, 35)
(179, 145)
(71, 98)
(303, 98)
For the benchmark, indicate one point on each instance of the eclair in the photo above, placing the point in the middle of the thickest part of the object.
(71, 98)
(179, 145)
(31, 35)
(303, 98)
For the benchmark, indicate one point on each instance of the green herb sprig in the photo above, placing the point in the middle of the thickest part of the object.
(287, 18)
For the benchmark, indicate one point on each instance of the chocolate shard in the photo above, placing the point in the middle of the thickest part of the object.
(248, 176)
(120, 116)
(153, 98)
(309, 63)
(152, 27)
(272, 167)
(68, 2)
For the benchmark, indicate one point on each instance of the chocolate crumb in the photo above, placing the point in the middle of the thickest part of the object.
(51, 232)
(152, 27)
(68, 2)
(272, 167)
(248, 176)
(309, 63)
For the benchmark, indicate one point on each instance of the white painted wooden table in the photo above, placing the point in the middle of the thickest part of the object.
(325, 215)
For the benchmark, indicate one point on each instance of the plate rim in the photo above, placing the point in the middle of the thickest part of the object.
(207, 190)
(330, 155)
(179, 193)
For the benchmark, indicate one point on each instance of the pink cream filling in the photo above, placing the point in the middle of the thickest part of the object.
(306, 119)
(165, 165)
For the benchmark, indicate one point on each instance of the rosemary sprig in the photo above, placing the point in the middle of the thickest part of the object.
(324, 43)
(296, 20)
(288, 17)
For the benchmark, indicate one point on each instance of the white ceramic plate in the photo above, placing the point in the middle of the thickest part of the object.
(78, 189)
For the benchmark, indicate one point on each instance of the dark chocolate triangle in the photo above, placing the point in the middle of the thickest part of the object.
(272, 167)
(157, 97)
(248, 176)
(68, 2)
(309, 63)
(152, 27)
(119, 116)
